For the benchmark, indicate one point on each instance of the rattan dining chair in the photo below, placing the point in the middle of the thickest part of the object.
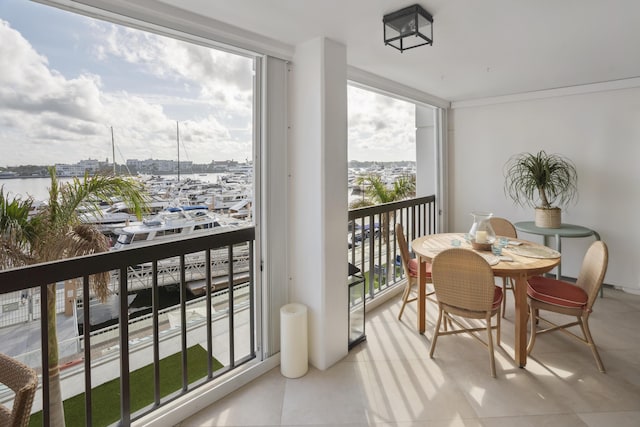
(23, 380)
(504, 228)
(410, 267)
(464, 287)
(556, 296)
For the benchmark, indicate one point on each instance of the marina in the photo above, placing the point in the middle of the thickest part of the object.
(194, 205)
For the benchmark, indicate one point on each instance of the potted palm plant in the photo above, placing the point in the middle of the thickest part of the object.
(543, 181)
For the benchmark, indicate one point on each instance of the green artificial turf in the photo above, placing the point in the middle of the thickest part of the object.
(106, 397)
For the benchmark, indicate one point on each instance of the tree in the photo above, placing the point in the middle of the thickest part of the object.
(57, 233)
(17, 229)
(378, 192)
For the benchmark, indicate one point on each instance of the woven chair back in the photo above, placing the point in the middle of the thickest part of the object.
(404, 249)
(503, 227)
(463, 279)
(593, 269)
(23, 380)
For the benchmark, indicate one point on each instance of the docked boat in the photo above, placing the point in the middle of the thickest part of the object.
(118, 213)
(175, 223)
(171, 223)
(228, 199)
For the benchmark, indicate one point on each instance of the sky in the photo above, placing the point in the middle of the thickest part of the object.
(68, 80)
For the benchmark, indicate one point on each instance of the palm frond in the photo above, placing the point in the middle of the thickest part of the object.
(56, 232)
(12, 256)
(79, 240)
(92, 189)
(16, 225)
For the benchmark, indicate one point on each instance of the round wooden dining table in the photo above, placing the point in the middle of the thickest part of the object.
(520, 259)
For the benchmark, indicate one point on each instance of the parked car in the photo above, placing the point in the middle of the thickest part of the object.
(361, 233)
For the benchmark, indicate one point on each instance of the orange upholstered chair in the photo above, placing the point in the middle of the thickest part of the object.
(410, 267)
(571, 299)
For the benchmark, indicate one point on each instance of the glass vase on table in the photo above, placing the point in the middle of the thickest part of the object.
(481, 233)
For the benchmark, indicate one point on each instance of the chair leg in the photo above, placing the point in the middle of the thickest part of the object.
(490, 343)
(498, 330)
(584, 324)
(405, 297)
(504, 295)
(404, 302)
(533, 316)
(435, 333)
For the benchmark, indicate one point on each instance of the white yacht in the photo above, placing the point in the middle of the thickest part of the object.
(119, 212)
(175, 223)
(169, 224)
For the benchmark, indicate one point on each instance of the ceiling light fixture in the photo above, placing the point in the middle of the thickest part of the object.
(408, 28)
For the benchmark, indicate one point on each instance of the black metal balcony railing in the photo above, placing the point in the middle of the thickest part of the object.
(371, 238)
(226, 314)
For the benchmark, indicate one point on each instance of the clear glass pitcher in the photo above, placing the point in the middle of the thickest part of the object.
(481, 230)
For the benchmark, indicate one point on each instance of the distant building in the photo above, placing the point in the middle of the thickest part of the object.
(90, 165)
(152, 166)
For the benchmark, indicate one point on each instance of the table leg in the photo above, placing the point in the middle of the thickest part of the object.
(559, 249)
(422, 295)
(520, 345)
(558, 243)
(597, 236)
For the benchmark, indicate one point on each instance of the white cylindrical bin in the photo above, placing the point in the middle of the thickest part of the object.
(294, 352)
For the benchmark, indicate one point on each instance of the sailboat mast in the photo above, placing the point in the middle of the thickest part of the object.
(178, 141)
(113, 151)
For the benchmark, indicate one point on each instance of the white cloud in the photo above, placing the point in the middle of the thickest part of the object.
(27, 84)
(54, 118)
(381, 128)
(66, 118)
(221, 79)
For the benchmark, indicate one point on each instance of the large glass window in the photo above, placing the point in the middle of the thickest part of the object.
(392, 137)
(381, 146)
(86, 96)
(82, 95)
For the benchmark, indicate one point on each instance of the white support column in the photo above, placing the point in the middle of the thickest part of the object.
(426, 170)
(273, 221)
(318, 196)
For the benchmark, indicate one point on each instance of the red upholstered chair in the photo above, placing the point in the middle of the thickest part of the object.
(504, 228)
(566, 298)
(410, 267)
(465, 287)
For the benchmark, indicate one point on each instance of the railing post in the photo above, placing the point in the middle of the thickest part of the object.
(86, 332)
(44, 336)
(183, 323)
(123, 321)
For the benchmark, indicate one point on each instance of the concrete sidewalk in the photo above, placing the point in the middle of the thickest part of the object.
(23, 341)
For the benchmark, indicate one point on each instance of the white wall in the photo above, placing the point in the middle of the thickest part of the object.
(598, 129)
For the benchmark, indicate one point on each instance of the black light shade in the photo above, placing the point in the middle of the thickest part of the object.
(408, 28)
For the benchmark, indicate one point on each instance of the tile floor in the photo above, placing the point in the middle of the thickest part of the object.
(389, 380)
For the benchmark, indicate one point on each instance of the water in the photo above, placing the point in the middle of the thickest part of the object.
(38, 188)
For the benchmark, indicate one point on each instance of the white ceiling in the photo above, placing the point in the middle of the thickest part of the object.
(481, 48)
